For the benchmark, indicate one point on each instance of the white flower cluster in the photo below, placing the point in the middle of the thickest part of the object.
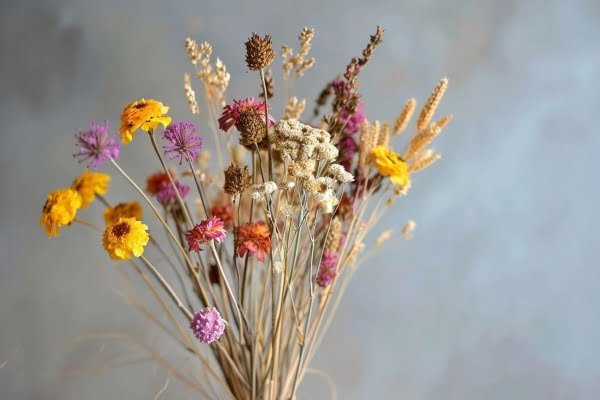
(259, 191)
(299, 142)
(305, 147)
(339, 173)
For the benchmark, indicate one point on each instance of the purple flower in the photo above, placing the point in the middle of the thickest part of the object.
(96, 145)
(184, 141)
(354, 121)
(327, 269)
(166, 193)
(207, 325)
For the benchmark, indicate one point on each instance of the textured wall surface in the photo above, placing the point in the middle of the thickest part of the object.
(495, 298)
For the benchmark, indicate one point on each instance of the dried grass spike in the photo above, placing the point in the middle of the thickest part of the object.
(190, 94)
(424, 159)
(408, 229)
(405, 116)
(445, 120)
(294, 109)
(422, 140)
(430, 106)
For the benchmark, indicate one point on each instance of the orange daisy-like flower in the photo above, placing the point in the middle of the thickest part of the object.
(142, 114)
(254, 238)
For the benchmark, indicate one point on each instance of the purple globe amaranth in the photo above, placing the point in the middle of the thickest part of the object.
(96, 145)
(208, 325)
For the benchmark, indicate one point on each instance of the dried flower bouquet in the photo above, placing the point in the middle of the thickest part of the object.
(254, 264)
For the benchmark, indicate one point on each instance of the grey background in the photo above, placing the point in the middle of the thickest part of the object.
(495, 298)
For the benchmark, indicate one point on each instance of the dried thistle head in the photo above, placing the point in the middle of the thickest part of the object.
(259, 52)
(237, 180)
(251, 125)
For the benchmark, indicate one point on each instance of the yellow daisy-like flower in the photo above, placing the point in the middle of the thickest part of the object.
(128, 236)
(142, 114)
(89, 184)
(122, 210)
(60, 209)
(389, 163)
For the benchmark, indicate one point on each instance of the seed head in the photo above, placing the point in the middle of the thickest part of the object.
(259, 52)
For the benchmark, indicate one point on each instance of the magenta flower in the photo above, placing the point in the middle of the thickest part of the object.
(354, 121)
(167, 195)
(327, 269)
(208, 325)
(231, 113)
(207, 230)
(96, 145)
(184, 141)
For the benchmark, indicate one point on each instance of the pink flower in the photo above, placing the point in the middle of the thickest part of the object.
(166, 194)
(208, 325)
(231, 113)
(207, 230)
(327, 269)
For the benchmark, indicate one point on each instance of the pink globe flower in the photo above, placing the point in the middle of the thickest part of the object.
(327, 269)
(208, 325)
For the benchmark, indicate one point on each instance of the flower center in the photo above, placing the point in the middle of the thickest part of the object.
(140, 105)
(121, 229)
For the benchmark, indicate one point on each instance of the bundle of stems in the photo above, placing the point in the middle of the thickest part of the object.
(250, 275)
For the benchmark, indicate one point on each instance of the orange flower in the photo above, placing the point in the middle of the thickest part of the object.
(254, 238)
(155, 182)
(142, 114)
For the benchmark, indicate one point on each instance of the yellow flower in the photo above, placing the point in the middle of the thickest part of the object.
(60, 209)
(89, 184)
(144, 114)
(123, 210)
(389, 163)
(128, 236)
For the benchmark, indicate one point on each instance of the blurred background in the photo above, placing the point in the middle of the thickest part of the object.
(494, 298)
